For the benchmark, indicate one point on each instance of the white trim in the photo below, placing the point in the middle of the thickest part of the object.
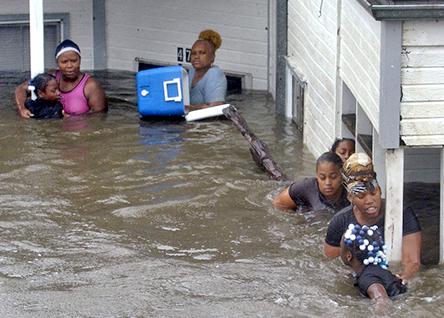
(394, 167)
(36, 38)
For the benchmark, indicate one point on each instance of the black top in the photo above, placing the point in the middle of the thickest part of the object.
(306, 194)
(44, 109)
(339, 223)
(372, 274)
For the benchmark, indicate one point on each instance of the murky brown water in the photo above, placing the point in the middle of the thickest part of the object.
(110, 216)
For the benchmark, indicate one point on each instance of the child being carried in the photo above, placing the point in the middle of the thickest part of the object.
(47, 104)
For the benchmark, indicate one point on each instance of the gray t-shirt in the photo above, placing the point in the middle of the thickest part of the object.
(306, 194)
(211, 88)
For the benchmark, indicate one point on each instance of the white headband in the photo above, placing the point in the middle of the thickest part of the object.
(66, 49)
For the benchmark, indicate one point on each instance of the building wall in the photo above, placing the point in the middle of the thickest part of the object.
(152, 30)
(312, 49)
(360, 57)
(422, 80)
(80, 21)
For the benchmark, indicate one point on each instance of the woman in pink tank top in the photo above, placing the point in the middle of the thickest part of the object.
(80, 93)
(74, 101)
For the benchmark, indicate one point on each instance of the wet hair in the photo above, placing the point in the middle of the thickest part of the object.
(330, 157)
(65, 46)
(40, 82)
(366, 244)
(338, 141)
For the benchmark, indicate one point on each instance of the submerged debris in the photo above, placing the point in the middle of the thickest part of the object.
(258, 148)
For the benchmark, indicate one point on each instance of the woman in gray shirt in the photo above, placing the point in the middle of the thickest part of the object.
(323, 192)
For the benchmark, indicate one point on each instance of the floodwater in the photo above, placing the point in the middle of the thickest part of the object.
(111, 216)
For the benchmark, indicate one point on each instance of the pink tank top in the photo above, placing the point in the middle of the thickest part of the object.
(74, 102)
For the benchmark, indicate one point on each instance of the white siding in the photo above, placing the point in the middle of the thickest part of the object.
(153, 30)
(80, 17)
(422, 80)
(360, 57)
(312, 44)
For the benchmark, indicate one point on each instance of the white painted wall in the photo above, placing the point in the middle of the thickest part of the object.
(360, 57)
(80, 15)
(422, 80)
(312, 43)
(153, 30)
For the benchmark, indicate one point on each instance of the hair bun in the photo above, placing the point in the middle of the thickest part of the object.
(211, 36)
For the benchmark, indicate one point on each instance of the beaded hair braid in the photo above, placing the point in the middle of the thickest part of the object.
(366, 244)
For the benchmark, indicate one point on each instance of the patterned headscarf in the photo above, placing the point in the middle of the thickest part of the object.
(358, 174)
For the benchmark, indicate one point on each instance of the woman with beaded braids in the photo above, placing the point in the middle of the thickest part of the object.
(208, 82)
(367, 209)
(363, 249)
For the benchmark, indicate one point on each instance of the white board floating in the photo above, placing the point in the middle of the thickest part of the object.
(212, 111)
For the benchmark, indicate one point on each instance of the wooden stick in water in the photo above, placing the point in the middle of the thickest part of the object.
(258, 148)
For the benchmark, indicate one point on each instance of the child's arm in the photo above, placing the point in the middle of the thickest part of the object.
(21, 93)
(377, 292)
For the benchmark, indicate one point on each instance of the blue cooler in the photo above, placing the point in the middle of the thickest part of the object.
(163, 91)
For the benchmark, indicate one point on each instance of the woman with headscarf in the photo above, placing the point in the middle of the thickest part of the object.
(367, 209)
(208, 82)
(80, 93)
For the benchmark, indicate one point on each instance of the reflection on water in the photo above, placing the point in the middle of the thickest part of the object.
(112, 216)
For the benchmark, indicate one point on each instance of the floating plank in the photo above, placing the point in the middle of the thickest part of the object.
(208, 112)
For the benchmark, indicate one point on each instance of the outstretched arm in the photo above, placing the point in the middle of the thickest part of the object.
(331, 251)
(21, 93)
(378, 293)
(411, 255)
(283, 201)
(95, 95)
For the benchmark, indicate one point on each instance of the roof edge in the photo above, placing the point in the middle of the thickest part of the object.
(403, 11)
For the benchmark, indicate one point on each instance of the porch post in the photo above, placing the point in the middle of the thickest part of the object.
(36, 37)
(394, 167)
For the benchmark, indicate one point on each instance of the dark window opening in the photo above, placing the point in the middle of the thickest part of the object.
(234, 85)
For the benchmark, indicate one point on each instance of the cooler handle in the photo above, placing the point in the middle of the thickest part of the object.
(177, 98)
